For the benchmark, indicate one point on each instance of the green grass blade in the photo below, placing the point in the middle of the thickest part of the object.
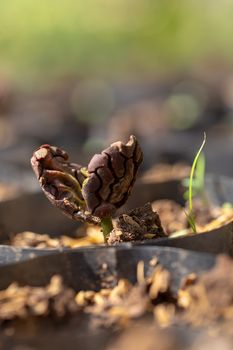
(192, 174)
(200, 174)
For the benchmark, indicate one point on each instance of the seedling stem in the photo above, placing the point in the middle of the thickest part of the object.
(107, 227)
(190, 216)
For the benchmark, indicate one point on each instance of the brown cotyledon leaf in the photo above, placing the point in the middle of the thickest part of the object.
(92, 193)
(61, 181)
(112, 174)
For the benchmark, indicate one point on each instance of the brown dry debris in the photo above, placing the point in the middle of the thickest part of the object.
(207, 218)
(125, 302)
(171, 214)
(41, 241)
(210, 297)
(35, 240)
(220, 217)
(138, 224)
(22, 302)
(117, 305)
(205, 301)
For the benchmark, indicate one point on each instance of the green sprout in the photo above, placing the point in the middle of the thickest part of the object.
(198, 182)
(106, 227)
(195, 183)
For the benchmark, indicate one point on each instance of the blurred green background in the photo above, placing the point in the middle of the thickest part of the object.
(82, 74)
(41, 39)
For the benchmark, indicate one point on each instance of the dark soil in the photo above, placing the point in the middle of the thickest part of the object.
(137, 225)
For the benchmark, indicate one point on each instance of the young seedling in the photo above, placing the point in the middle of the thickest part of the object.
(196, 183)
(91, 194)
